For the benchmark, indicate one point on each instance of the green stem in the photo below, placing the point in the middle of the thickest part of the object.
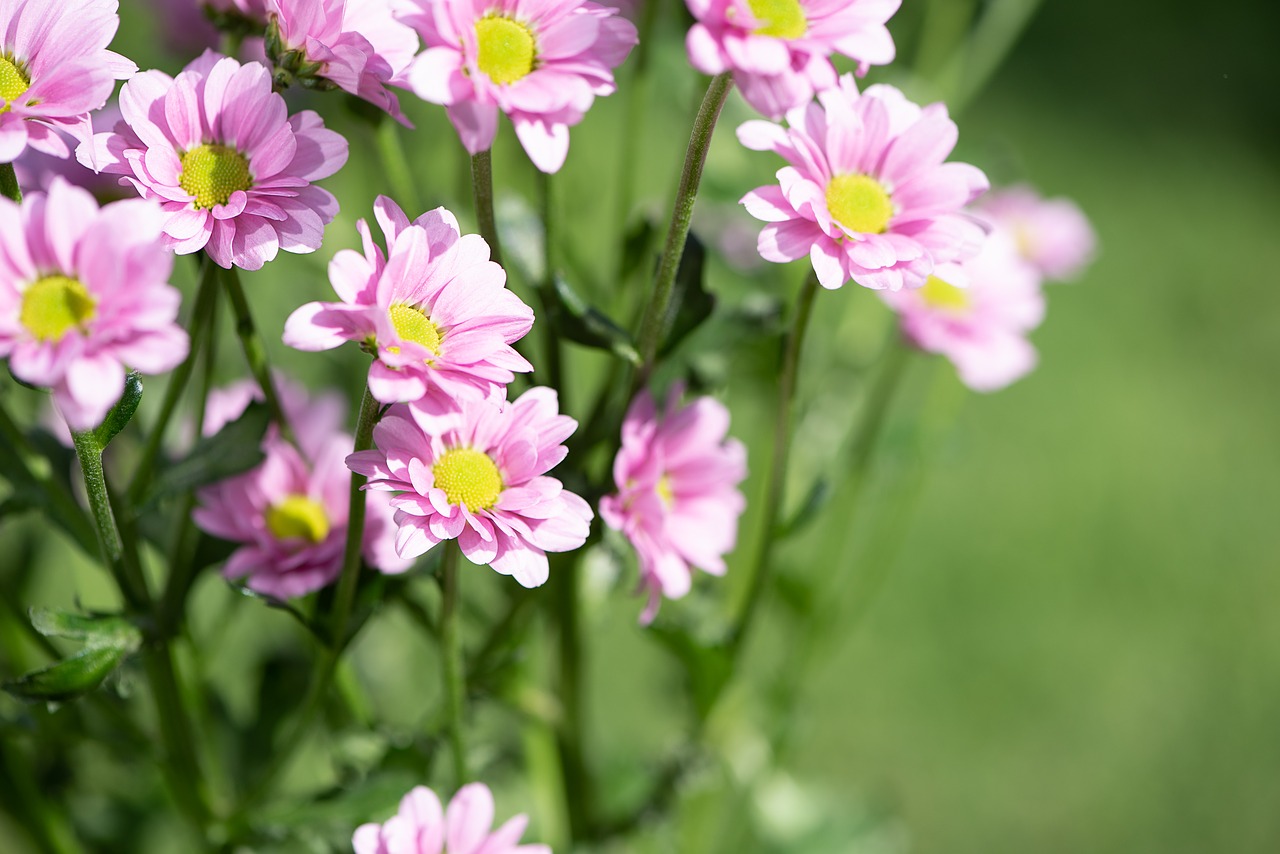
(123, 564)
(655, 316)
(48, 825)
(637, 101)
(975, 61)
(396, 164)
(482, 193)
(255, 352)
(454, 680)
(9, 183)
(550, 340)
(62, 504)
(577, 789)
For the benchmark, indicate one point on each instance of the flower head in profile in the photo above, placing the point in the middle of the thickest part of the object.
(230, 167)
(55, 69)
(540, 62)
(1052, 234)
(423, 826)
(478, 475)
(866, 194)
(434, 309)
(779, 50)
(678, 502)
(84, 296)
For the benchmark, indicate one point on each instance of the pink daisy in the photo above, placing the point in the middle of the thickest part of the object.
(540, 62)
(232, 170)
(84, 295)
(422, 826)
(54, 70)
(982, 327)
(867, 195)
(678, 501)
(1052, 234)
(478, 475)
(434, 309)
(778, 50)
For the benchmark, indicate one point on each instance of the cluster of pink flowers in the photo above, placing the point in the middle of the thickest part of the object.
(424, 826)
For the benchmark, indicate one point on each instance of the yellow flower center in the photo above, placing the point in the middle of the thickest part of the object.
(298, 518)
(13, 82)
(468, 477)
(506, 49)
(781, 18)
(54, 304)
(212, 173)
(412, 324)
(664, 491)
(859, 203)
(939, 294)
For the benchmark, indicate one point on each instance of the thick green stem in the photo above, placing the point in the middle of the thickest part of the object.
(451, 647)
(396, 164)
(9, 183)
(482, 193)
(255, 352)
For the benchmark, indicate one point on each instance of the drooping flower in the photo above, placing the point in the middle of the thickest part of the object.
(232, 170)
(423, 826)
(435, 309)
(84, 295)
(478, 475)
(678, 502)
(981, 327)
(541, 63)
(866, 194)
(1052, 234)
(357, 45)
(54, 70)
(778, 50)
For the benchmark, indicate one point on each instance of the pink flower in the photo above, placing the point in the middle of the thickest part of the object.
(435, 309)
(1052, 234)
(423, 827)
(981, 327)
(290, 512)
(254, 11)
(359, 46)
(778, 49)
(54, 70)
(478, 475)
(232, 170)
(84, 295)
(36, 170)
(866, 195)
(540, 62)
(678, 501)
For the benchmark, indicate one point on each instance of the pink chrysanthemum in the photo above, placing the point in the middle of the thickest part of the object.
(55, 69)
(982, 327)
(232, 170)
(1052, 234)
(540, 62)
(435, 309)
(779, 50)
(422, 826)
(867, 195)
(678, 501)
(290, 512)
(478, 475)
(357, 44)
(84, 295)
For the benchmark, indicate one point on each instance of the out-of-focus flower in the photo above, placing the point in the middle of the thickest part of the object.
(541, 63)
(678, 502)
(54, 70)
(435, 310)
(982, 327)
(422, 826)
(1052, 234)
(778, 50)
(478, 475)
(357, 45)
(231, 169)
(36, 170)
(84, 295)
(867, 195)
(251, 11)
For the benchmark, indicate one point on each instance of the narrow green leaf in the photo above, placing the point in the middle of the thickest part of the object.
(70, 677)
(122, 413)
(233, 450)
(584, 324)
(814, 503)
(692, 303)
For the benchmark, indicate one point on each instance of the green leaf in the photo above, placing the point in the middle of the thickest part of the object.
(69, 678)
(691, 302)
(584, 324)
(637, 251)
(94, 630)
(814, 503)
(232, 450)
(122, 413)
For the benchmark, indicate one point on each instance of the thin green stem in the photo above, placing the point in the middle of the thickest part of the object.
(396, 164)
(482, 193)
(123, 564)
(255, 352)
(451, 644)
(9, 183)
(577, 789)
(550, 340)
(47, 824)
(975, 61)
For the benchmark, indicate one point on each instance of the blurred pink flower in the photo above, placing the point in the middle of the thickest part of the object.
(981, 327)
(867, 195)
(435, 310)
(540, 62)
(254, 11)
(232, 170)
(1052, 234)
(84, 295)
(422, 826)
(54, 70)
(478, 475)
(778, 49)
(678, 501)
(36, 170)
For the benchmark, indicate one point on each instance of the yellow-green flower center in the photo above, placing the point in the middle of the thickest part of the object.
(505, 48)
(13, 82)
(663, 489)
(54, 304)
(859, 203)
(943, 295)
(468, 477)
(412, 324)
(781, 18)
(298, 518)
(212, 173)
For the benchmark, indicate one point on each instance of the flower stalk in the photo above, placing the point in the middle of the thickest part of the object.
(482, 193)
(451, 648)
(255, 352)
